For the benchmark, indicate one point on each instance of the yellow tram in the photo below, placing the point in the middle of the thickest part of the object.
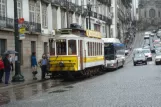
(77, 51)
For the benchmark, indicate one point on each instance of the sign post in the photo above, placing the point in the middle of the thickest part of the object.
(18, 77)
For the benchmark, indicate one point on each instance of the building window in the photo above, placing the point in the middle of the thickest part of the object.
(145, 13)
(62, 18)
(151, 13)
(44, 15)
(2, 46)
(70, 17)
(54, 18)
(3, 9)
(32, 13)
(19, 9)
(83, 22)
(159, 14)
(76, 2)
(33, 46)
(97, 27)
(103, 29)
(77, 18)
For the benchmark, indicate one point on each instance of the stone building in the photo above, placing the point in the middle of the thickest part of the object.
(150, 13)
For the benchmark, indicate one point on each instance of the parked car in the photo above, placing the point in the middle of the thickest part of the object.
(148, 54)
(139, 58)
(158, 58)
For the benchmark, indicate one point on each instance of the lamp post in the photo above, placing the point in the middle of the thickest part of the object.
(67, 4)
(89, 6)
(18, 76)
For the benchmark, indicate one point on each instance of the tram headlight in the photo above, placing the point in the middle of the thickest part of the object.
(61, 64)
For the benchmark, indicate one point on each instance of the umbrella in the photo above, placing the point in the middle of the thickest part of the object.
(10, 52)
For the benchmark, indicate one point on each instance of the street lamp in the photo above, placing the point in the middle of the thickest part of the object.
(18, 76)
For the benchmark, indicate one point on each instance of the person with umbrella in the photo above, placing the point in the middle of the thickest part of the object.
(7, 64)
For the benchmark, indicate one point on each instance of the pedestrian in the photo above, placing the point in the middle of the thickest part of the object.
(7, 68)
(11, 62)
(34, 65)
(1, 69)
(43, 63)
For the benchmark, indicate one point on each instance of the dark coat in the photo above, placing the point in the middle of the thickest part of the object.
(7, 64)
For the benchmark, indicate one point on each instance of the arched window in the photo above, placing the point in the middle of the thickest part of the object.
(151, 13)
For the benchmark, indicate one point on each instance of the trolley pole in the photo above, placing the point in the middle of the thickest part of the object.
(89, 6)
(18, 76)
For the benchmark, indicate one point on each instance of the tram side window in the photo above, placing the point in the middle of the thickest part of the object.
(88, 46)
(100, 49)
(72, 47)
(97, 49)
(61, 47)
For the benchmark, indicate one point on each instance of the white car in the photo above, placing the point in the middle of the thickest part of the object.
(146, 36)
(148, 54)
(158, 58)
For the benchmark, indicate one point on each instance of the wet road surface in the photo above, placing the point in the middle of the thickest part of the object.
(131, 86)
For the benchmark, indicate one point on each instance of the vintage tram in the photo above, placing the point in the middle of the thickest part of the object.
(76, 52)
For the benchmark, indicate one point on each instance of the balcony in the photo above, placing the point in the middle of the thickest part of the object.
(72, 7)
(106, 2)
(56, 2)
(8, 24)
(78, 9)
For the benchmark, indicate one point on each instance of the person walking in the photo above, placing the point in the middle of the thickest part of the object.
(7, 68)
(1, 69)
(43, 63)
(34, 65)
(11, 61)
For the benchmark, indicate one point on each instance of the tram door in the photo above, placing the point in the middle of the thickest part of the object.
(81, 54)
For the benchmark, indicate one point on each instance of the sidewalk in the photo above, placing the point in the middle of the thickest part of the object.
(27, 73)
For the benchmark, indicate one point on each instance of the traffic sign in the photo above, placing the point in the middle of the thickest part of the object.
(22, 30)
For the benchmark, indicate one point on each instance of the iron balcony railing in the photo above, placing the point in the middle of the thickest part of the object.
(9, 24)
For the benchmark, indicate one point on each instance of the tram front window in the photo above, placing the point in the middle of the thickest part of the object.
(72, 47)
(61, 47)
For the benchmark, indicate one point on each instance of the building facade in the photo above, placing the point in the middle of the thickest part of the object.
(150, 13)
(121, 22)
(134, 11)
(44, 17)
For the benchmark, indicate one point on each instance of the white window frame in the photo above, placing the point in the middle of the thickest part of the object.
(35, 11)
(19, 9)
(44, 16)
(3, 11)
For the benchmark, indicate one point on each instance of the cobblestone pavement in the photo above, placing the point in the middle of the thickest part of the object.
(131, 86)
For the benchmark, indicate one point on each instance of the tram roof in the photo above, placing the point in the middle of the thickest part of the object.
(80, 33)
(111, 40)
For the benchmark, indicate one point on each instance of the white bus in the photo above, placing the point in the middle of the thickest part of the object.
(114, 53)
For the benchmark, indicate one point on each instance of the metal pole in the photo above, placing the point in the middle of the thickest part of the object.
(89, 14)
(17, 77)
(67, 3)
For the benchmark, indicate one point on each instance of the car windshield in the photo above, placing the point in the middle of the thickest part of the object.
(146, 51)
(158, 53)
(139, 55)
